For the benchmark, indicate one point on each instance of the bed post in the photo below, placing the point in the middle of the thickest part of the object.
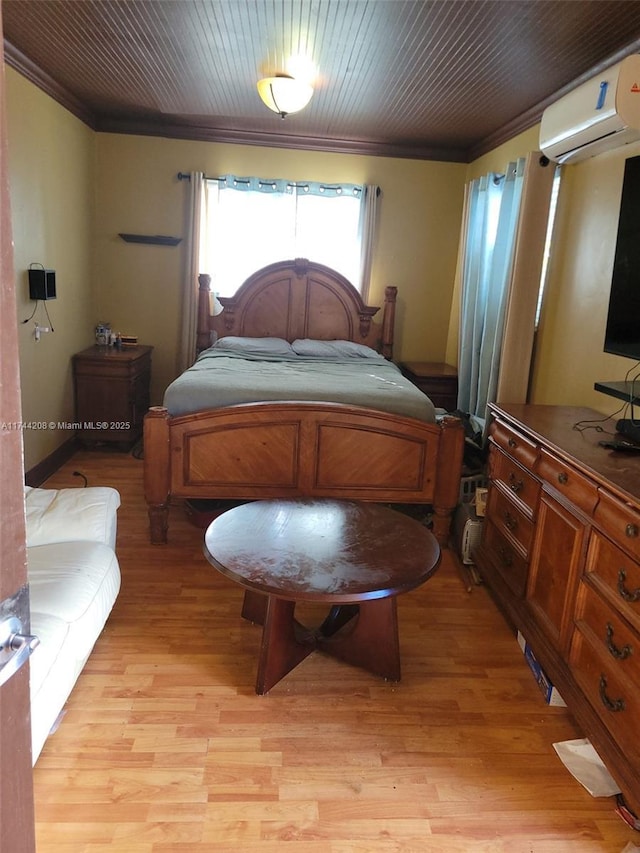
(449, 471)
(203, 333)
(157, 472)
(388, 321)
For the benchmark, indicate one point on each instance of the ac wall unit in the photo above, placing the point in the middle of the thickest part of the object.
(598, 115)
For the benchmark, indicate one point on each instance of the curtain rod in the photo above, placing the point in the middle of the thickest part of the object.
(185, 176)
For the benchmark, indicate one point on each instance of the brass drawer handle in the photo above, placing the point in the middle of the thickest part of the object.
(515, 485)
(506, 557)
(609, 704)
(631, 530)
(510, 521)
(624, 592)
(563, 478)
(614, 651)
(512, 442)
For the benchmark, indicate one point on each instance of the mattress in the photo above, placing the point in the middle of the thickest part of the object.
(355, 375)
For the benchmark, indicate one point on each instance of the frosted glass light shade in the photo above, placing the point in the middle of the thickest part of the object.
(284, 95)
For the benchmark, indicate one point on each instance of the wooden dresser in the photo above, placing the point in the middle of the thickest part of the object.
(560, 551)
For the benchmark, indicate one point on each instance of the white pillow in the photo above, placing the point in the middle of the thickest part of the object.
(254, 346)
(64, 515)
(333, 349)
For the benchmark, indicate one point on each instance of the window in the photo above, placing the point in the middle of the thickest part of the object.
(248, 223)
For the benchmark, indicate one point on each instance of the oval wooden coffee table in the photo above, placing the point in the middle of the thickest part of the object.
(355, 557)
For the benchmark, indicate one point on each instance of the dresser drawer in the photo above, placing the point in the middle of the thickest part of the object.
(514, 443)
(613, 696)
(621, 521)
(606, 630)
(616, 575)
(524, 488)
(505, 557)
(509, 519)
(582, 492)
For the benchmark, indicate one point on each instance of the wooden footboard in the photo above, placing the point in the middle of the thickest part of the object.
(279, 450)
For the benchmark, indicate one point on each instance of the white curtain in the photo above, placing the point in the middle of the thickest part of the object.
(367, 233)
(243, 224)
(189, 304)
(492, 216)
(250, 222)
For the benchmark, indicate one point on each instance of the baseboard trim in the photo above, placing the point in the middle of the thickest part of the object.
(39, 473)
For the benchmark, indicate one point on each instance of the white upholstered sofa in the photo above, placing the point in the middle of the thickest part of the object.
(74, 580)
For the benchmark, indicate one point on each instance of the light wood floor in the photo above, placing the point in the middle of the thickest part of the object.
(164, 745)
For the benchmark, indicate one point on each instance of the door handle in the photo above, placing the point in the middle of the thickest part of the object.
(15, 647)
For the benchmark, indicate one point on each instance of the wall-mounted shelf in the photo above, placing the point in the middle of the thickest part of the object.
(155, 239)
(627, 391)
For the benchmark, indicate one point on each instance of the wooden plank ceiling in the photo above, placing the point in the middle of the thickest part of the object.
(441, 79)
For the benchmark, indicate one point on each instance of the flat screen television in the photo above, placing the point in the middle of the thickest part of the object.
(622, 335)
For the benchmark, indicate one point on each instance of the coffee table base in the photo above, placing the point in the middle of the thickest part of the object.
(364, 635)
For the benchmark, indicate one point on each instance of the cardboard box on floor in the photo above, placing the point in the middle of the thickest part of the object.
(550, 693)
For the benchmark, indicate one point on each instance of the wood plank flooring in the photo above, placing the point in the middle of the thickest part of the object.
(164, 746)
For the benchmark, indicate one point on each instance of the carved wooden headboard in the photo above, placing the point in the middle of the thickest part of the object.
(297, 299)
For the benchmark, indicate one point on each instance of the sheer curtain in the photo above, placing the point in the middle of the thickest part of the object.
(242, 224)
(493, 205)
(502, 250)
(250, 222)
(367, 226)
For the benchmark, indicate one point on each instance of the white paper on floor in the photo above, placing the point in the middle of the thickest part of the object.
(585, 765)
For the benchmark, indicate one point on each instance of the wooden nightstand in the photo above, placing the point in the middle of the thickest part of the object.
(437, 380)
(111, 393)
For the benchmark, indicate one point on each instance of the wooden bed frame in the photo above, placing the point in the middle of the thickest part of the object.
(295, 449)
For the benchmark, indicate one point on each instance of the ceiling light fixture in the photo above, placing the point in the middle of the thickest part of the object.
(284, 94)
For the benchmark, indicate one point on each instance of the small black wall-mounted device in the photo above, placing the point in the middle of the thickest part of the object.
(42, 283)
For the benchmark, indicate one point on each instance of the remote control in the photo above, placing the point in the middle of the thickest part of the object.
(627, 446)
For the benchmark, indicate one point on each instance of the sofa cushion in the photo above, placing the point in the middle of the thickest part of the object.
(73, 586)
(59, 515)
(52, 633)
(75, 581)
(50, 676)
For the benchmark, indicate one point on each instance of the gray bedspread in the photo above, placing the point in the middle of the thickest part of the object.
(222, 378)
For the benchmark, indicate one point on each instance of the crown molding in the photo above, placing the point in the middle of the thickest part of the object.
(205, 133)
(15, 59)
